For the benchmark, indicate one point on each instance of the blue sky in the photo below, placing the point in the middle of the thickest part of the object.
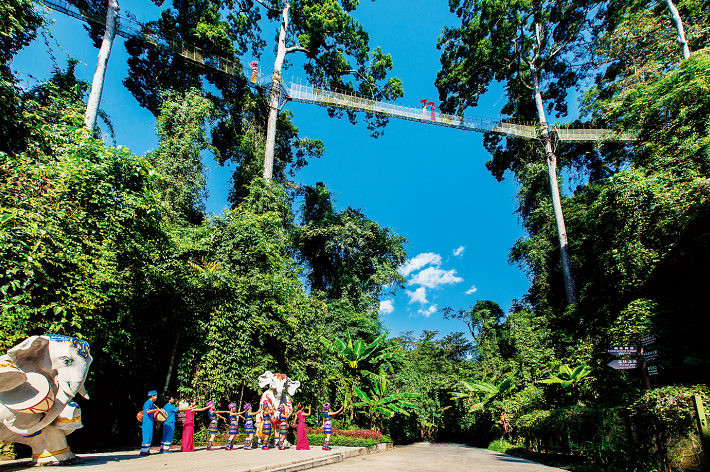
(427, 183)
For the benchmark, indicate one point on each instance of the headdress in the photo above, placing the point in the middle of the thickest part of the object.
(265, 405)
(326, 406)
(232, 405)
(210, 403)
(282, 407)
(247, 406)
(152, 393)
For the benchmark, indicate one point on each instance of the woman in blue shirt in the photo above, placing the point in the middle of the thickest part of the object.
(169, 423)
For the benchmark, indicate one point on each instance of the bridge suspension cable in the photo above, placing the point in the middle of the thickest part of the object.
(295, 91)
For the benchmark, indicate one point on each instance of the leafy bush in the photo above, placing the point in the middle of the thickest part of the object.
(345, 440)
(353, 433)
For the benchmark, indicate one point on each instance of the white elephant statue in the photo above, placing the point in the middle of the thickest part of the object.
(278, 393)
(38, 381)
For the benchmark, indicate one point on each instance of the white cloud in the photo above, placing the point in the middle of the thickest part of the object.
(428, 312)
(420, 261)
(471, 290)
(386, 306)
(459, 252)
(433, 277)
(419, 295)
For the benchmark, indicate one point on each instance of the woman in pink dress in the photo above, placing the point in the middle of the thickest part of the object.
(188, 428)
(301, 438)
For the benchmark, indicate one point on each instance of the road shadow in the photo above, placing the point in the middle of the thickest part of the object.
(86, 460)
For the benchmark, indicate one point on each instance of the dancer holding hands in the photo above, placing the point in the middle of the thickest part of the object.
(214, 418)
(266, 426)
(328, 424)
(188, 428)
(301, 438)
(233, 424)
(249, 424)
(283, 426)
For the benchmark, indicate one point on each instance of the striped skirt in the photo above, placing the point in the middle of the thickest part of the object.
(213, 427)
(249, 427)
(328, 427)
(283, 427)
(234, 427)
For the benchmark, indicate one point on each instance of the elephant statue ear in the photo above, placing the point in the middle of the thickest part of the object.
(265, 379)
(10, 375)
(292, 386)
(32, 355)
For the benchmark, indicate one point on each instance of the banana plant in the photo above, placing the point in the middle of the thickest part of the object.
(569, 376)
(356, 352)
(379, 404)
(480, 393)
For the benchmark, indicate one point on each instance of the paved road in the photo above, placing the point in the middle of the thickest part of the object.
(421, 457)
(426, 457)
(219, 460)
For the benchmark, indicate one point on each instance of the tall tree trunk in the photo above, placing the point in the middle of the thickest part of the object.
(170, 365)
(97, 87)
(679, 28)
(570, 289)
(274, 96)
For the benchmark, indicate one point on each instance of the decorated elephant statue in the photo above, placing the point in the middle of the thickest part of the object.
(278, 393)
(38, 381)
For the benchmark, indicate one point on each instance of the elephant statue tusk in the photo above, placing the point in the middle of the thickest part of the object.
(82, 391)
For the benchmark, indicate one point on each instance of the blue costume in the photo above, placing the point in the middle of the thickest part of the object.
(266, 428)
(283, 428)
(148, 423)
(327, 424)
(233, 423)
(168, 427)
(248, 423)
(213, 421)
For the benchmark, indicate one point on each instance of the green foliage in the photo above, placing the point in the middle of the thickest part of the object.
(357, 352)
(349, 257)
(181, 127)
(380, 403)
(348, 441)
(484, 392)
(570, 377)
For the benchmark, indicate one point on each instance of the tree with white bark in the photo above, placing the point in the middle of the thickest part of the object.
(97, 86)
(338, 56)
(529, 46)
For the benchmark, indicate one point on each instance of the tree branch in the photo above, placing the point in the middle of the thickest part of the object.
(267, 6)
(296, 49)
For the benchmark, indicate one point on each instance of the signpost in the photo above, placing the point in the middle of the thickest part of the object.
(648, 340)
(622, 351)
(641, 358)
(650, 356)
(624, 364)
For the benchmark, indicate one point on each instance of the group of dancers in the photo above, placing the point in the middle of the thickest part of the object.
(270, 416)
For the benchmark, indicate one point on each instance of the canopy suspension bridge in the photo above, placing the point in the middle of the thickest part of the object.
(295, 91)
